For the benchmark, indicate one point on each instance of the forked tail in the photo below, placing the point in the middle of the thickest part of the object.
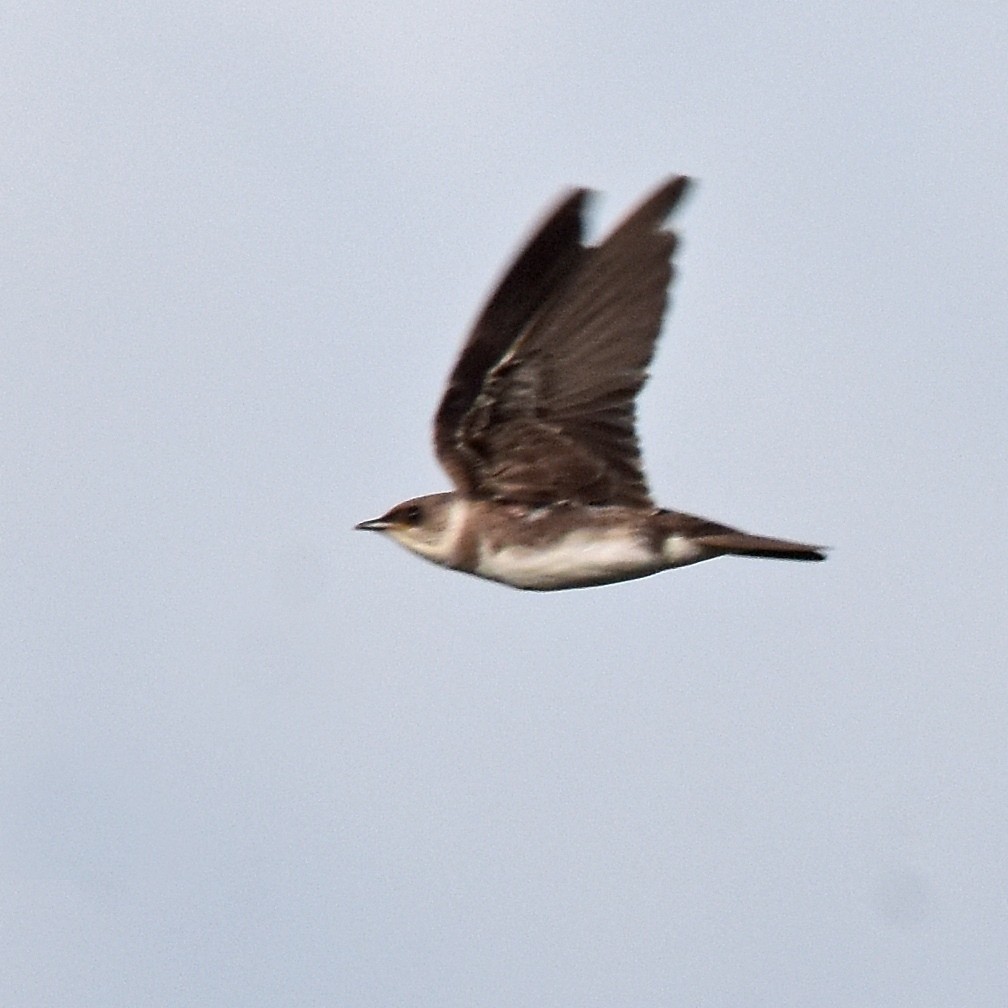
(743, 544)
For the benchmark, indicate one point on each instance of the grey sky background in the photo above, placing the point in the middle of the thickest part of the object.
(250, 757)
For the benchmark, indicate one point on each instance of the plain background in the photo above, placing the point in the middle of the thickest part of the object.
(251, 757)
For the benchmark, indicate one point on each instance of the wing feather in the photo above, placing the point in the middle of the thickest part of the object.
(540, 407)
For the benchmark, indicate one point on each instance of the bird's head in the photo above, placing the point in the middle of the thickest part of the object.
(425, 525)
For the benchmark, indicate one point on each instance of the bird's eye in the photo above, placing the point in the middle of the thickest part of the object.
(412, 515)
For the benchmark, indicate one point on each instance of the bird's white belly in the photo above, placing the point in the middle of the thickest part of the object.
(576, 560)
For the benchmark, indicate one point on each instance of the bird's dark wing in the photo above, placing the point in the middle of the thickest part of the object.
(546, 262)
(540, 407)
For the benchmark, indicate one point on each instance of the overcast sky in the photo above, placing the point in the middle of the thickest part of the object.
(249, 757)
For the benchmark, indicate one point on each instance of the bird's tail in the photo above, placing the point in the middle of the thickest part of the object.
(743, 544)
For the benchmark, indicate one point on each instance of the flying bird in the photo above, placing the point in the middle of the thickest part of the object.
(537, 426)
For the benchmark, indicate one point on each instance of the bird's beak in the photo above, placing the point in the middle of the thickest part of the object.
(374, 525)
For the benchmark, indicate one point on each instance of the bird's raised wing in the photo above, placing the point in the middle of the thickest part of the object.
(540, 406)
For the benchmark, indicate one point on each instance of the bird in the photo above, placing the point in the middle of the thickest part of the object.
(537, 425)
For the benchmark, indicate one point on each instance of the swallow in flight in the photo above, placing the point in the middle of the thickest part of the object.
(537, 426)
